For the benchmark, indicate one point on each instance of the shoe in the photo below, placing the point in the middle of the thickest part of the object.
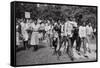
(72, 59)
(85, 55)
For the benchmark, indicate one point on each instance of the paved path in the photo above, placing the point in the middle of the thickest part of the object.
(45, 55)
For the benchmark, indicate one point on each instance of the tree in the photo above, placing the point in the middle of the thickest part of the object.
(58, 12)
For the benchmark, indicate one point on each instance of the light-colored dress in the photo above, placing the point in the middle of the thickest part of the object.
(35, 33)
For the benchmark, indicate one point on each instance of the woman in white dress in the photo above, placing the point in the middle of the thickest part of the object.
(34, 37)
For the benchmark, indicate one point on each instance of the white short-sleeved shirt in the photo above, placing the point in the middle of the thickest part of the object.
(68, 28)
(42, 26)
(51, 28)
(35, 27)
(89, 29)
(74, 23)
(47, 27)
(82, 31)
(62, 28)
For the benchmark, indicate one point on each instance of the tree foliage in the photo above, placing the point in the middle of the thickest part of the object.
(58, 12)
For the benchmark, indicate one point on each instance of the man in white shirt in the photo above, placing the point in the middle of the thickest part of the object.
(68, 28)
(82, 35)
(82, 32)
(75, 36)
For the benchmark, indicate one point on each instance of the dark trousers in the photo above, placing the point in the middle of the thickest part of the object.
(35, 47)
(65, 39)
(25, 44)
(78, 42)
(55, 44)
(51, 45)
(69, 51)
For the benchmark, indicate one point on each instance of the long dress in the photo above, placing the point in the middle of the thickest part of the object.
(34, 36)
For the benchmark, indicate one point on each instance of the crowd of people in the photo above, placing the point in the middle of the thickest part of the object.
(63, 37)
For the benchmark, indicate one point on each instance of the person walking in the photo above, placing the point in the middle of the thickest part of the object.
(82, 35)
(68, 27)
(34, 37)
(24, 27)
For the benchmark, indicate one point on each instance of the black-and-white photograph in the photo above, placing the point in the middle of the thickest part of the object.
(48, 33)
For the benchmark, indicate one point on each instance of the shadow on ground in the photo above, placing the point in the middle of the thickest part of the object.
(18, 49)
